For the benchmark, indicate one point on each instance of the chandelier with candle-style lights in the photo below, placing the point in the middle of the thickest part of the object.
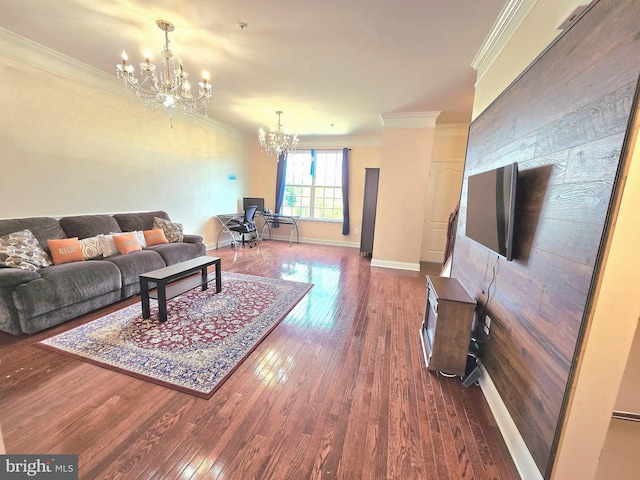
(167, 86)
(277, 142)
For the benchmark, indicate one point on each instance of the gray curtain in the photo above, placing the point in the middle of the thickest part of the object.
(345, 191)
(281, 175)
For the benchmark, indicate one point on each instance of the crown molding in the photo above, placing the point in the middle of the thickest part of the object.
(341, 141)
(38, 56)
(508, 22)
(409, 119)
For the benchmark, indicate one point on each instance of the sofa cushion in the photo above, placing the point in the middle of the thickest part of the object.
(43, 228)
(84, 226)
(191, 238)
(173, 253)
(90, 248)
(127, 243)
(10, 277)
(22, 250)
(9, 318)
(136, 263)
(65, 250)
(172, 231)
(138, 221)
(66, 284)
(154, 237)
(107, 245)
(138, 233)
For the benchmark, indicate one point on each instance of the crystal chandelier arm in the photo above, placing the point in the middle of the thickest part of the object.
(168, 87)
(277, 143)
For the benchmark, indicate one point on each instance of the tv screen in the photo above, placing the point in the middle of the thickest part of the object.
(249, 201)
(491, 205)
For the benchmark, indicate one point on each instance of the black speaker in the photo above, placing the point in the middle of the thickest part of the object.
(472, 372)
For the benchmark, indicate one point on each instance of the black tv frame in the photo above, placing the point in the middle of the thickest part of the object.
(491, 209)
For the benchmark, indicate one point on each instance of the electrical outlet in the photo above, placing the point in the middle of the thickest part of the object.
(356, 230)
(487, 324)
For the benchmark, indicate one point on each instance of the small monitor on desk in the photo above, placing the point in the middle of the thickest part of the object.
(258, 202)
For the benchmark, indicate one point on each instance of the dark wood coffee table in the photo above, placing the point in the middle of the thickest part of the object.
(175, 280)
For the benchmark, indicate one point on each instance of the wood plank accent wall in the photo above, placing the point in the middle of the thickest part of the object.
(564, 121)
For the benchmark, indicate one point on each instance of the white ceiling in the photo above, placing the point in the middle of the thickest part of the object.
(332, 66)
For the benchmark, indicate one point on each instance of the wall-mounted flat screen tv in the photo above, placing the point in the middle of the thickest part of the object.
(491, 208)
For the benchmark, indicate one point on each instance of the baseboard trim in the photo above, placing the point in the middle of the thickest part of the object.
(519, 452)
(414, 267)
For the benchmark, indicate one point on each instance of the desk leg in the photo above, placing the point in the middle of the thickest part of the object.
(224, 228)
(144, 296)
(294, 228)
(258, 230)
(162, 301)
(266, 225)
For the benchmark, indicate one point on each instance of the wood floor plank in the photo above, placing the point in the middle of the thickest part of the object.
(338, 389)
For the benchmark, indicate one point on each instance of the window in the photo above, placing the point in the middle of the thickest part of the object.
(313, 184)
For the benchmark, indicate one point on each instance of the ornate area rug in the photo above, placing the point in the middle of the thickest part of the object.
(206, 335)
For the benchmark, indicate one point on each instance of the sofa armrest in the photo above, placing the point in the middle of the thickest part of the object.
(10, 277)
(190, 238)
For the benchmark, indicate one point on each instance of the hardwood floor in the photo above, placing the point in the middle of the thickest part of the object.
(338, 390)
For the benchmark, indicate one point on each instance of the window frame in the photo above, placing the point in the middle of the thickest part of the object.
(312, 208)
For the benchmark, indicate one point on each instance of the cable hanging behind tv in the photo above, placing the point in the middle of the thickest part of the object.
(491, 207)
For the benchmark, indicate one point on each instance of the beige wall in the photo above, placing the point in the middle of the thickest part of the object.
(628, 399)
(606, 350)
(402, 193)
(608, 342)
(69, 148)
(619, 458)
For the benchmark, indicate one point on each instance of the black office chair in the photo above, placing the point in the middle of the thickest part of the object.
(245, 227)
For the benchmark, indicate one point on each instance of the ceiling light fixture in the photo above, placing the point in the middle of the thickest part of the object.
(278, 142)
(168, 87)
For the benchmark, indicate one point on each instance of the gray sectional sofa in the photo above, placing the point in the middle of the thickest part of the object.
(31, 301)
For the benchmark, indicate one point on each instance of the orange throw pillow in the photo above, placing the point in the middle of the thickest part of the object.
(127, 243)
(65, 250)
(155, 237)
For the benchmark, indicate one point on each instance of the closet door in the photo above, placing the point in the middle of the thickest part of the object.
(369, 210)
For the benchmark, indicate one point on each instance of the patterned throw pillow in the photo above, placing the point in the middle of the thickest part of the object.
(65, 250)
(107, 245)
(141, 238)
(172, 231)
(22, 250)
(90, 248)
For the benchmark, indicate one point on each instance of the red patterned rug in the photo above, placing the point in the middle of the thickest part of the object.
(206, 335)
